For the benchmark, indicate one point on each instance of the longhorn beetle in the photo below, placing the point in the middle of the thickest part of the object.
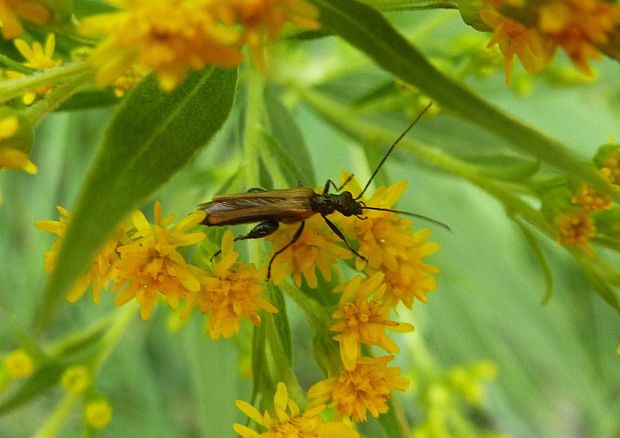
(270, 207)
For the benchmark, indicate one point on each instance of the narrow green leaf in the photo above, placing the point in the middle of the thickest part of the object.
(504, 167)
(276, 159)
(286, 132)
(152, 136)
(38, 384)
(280, 320)
(366, 29)
(541, 258)
(391, 424)
(89, 99)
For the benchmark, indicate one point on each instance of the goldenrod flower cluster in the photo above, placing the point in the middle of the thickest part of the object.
(170, 36)
(142, 262)
(533, 30)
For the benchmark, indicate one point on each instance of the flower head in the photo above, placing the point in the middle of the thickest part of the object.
(366, 388)
(575, 228)
(287, 420)
(104, 266)
(37, 57)
(317, 247)
(513, 38)
(98, 413)
(262, 21)
(362, 319)
(151, 265)
(12, 10)
(391, 247)
(231, 291)
(11, 157)
(76, 379)
(166, 36)
(19, 364)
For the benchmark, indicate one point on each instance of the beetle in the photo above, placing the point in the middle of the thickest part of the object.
(272, 207)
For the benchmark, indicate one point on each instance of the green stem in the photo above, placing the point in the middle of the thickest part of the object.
(317, 315)
(13, 88)
(61, 93)
(14, 65)
(122, 318)
(253, 127)
(52, 427)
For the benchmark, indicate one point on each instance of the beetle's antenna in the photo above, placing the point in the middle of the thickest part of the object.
(419, 216)
(400, 137)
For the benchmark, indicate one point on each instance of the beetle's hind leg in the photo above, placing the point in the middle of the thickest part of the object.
(262, 229)
(295, 238)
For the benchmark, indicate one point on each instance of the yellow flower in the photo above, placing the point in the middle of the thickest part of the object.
(287, 420)
(166, 36)
(579, 26)
(317, 247)
(611, 167)
(37, 57)
(513, 39)
(362, 319)
(10, 157)
(12, 10)
(576, 228)
(98, 414)
(151, 265)
(359, 391)
(76, 379)
(233, 290)
(262, 21)
(391, 247)
(19, 364)
(128, 80)
(103, 269)
(590, 199)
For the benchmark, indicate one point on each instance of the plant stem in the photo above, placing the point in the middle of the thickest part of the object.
(13, 88)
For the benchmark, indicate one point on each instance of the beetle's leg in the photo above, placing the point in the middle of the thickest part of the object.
(338, 233)
(281, 250)
(263, 229)
(329, 183)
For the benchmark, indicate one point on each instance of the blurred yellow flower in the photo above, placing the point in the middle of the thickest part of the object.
(76, 379)
(576, 228)
(19, 364)
(359, 391)
(98, 414)
(12, 10)
(287, 420)
(232, 291)
(12, 158)
(37, 57)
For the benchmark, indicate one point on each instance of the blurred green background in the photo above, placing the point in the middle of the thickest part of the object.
(558, 372)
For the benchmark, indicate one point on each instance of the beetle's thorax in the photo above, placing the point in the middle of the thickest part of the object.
(328, 203)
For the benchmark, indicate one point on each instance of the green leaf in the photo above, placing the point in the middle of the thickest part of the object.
(366, 29)
(504, 167)
(541, 258)
(152, 136)
(280, 320)
(286, 132)
(89, 99)
(39, 383)
(279, 163)
(390, 422)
